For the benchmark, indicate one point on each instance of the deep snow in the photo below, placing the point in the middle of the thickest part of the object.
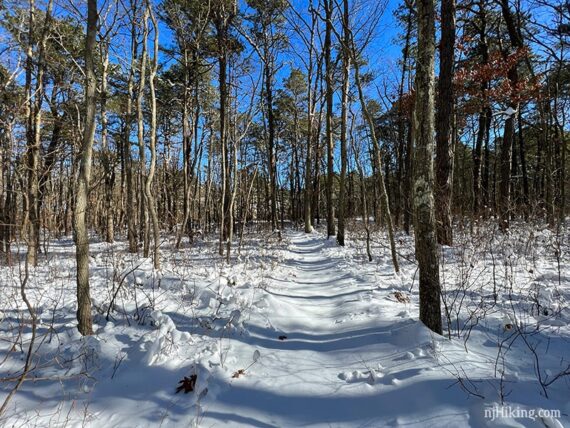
(297, 332)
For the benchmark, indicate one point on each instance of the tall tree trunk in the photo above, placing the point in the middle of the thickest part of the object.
(401, 194)
(222, 40)
(317, 170)
(365, 215)
(7, 205)
(329, 118)
(522, 153)
(108, 166)
(344, 123)
(127, 155)
(33, 132)
(308, 158)
(51, 154)
(486, 170)
(444, 113)
(81, 233)
(484, 114)
(268, 69)
(504, 205)
(408, 179)
(232, 202)
(423, 131)
(140, 136)
(148, 185)
(311, 104)
(385, 204)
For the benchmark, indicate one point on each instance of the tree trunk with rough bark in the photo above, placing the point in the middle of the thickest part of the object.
(444, 114)
(329, 118)
(344, 124)
(153, 126)
(80, 212)
(423, 134)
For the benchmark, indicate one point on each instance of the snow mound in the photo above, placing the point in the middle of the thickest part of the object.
(167, 339)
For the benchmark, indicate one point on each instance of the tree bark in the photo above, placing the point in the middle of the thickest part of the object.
(153, 125)
(344, 124)
(268, 69)
(329, 117)
(308, 209)
(423, 132)
(33, 131)
(81, 233)
(127, 156)
(504, 205)
(108, 166)
(444, 113)
(401, 195)
(144, 209)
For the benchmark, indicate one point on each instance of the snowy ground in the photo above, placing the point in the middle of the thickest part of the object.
(297, 332)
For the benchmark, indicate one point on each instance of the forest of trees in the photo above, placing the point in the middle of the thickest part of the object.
(156, 121)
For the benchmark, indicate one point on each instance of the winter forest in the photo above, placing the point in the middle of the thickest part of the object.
(284, 213)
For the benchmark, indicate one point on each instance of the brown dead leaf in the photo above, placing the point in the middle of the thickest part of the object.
(187, 384)
(401, 297)
(237, 374)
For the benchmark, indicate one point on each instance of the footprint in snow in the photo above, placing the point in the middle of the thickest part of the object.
(370, 376)
(408, 356)
(412, 355)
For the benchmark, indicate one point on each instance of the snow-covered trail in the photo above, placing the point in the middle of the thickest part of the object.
(298, 332)
(335, 351)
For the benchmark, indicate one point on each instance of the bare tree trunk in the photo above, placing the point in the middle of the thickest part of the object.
(484, 114)
(408, 179)
(444, 112)
(207, 196)
(423, 132)
(329, 118)
(477, 158)
(317, 170)
(522, 153)
(308, 160)
(308, 212)
(223, 144)
(81, 233)
(186, 148)
(486, 170)
(401, 186)
(344, 124)
(231, 205)
(222, 22)
(148, 185)
(7, 191)
(33, 132)
(385, 204)
(246, 210)
(107, 161)
(268, 69)
(560, 141)
(359, 168)
(127, 157)
(140, 136)
(504, 206)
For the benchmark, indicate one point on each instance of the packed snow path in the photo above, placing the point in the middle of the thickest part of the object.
(335, 350)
